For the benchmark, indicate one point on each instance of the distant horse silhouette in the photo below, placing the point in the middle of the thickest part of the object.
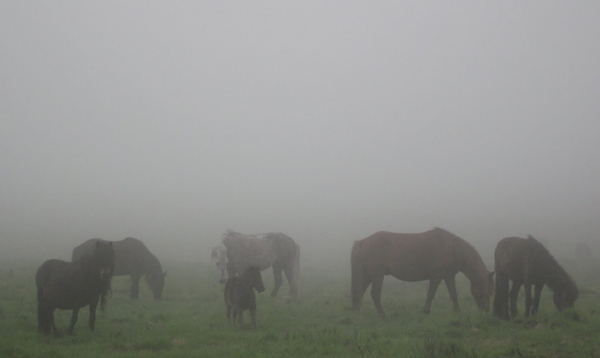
(236, 252)
(239, 295)
(134, 259)
(527, 262)
(74, 285)
(433, 255)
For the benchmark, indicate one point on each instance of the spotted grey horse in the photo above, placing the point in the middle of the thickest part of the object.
(236, 252)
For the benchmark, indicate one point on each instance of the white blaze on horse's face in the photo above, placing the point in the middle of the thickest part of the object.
(219, 257)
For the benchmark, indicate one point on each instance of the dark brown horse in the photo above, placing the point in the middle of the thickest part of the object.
(134, 259)
(236, 252)
(527, 262)
(74, 285)
(239, 295)
(433, 255)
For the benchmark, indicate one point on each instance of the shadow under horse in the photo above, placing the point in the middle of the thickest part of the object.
(433, 255)
(132, 258)
(236, 252)
(527, 262)
(74, 285)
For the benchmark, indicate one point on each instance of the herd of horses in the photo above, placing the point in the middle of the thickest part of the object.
(436, 255)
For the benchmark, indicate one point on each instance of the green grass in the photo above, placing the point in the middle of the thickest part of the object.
(190, 321)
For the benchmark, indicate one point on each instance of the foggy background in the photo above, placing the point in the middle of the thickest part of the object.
(328, 121)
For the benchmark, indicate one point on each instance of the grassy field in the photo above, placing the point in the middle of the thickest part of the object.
(190, 321)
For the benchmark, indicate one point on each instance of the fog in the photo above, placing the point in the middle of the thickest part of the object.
(175, 121)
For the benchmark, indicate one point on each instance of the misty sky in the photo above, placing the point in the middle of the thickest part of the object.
(327, 120)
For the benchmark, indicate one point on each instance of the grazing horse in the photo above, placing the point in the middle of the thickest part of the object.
(433, 255)
(74, 285)
(236, 252)
(134, 259)
(239, 295)
(527, 262)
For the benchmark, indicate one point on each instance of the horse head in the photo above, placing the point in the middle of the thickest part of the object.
(219, 257)
(566, 297)
(156, 282)
(482, 291)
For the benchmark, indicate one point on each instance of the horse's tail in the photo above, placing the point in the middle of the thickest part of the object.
(358, 275)
(296, 273)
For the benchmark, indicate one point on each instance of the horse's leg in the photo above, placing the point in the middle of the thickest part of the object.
(451, 286)
(42, 318)
(241, 316)
(235, 314)
(536, 298)
(527, 299)
(501, 296)
(93, 306)
(228, 313)
(45, 319)
(135, 286)
(74, 317)
(277, 277)
(289, 275)
(376, 287)
(51, 325)
(514, 294)
(358, 291)
(433, 285)
(253, 316)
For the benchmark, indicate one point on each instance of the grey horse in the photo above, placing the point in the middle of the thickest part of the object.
(236, 252)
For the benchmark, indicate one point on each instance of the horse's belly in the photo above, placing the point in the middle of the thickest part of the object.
(409, 276)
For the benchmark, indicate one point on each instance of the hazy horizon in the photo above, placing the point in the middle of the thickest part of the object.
(173, 122)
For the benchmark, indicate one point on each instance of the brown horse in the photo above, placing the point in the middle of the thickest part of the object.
(527, 262)
(132, 258)
(433, 255)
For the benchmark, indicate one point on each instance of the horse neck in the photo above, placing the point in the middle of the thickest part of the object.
(556, 277)
(151, 265)
(471, 263)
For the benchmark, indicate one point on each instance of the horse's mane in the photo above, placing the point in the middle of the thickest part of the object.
(152, 264)
(556, 274)
(466, 253)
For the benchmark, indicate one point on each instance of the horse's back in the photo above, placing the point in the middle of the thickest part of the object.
(408, 257)
(56, 282)
(514, 256)
(84, 249)
(260, 250)
(130, 254)
(47, 270)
